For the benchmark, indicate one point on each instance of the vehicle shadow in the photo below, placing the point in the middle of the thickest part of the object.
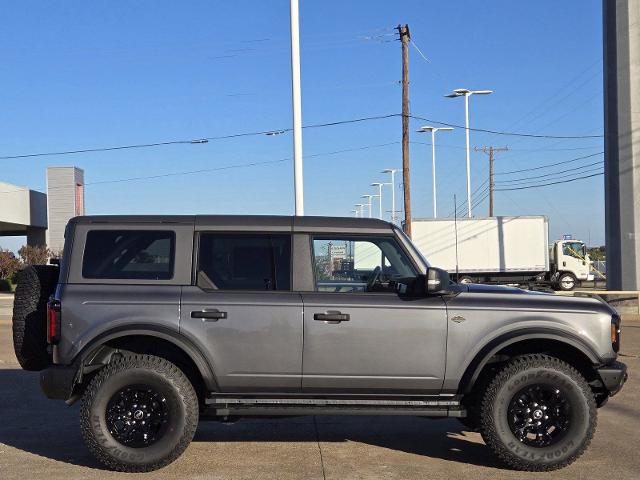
(49, 428)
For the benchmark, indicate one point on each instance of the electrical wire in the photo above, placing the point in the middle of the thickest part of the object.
(551, 174)
(497, 132)
(551, 183)
(549, 165)
(572, 175)
(195, 141)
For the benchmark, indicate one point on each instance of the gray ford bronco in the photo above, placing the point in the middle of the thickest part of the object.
(157, 322)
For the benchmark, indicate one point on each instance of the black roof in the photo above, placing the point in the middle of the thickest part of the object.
(312, 223)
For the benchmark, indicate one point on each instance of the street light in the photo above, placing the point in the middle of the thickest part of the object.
(379, 185)
(359, 209)
(463, 92)
(433, 131)
(297, 108)
(369, 197)
(355, 213)
(392, 171)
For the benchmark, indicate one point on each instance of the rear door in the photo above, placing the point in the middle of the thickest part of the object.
(243, 313)
(359, 335)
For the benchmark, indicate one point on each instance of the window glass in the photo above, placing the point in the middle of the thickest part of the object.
(244, 262)
(574, 249)
(129, 254)
(360, 264)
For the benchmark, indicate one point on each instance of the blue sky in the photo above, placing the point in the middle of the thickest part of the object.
(93, 74)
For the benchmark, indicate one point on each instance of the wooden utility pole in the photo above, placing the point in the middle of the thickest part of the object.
(491, 151)
(406, 180)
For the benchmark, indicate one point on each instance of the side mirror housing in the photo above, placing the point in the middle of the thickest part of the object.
(437, 281)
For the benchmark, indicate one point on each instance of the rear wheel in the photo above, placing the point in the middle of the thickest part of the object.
(139, 413)
(538, 414)
(465, 279)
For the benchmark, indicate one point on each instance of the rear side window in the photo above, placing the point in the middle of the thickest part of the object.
(129, 255)
(244, 262)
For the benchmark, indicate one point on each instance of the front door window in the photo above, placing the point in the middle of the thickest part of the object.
(360, 264)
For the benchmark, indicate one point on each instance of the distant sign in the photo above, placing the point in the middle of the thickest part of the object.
(567, 237)
(338, 251)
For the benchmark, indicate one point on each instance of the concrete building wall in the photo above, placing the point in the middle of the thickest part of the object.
(65, 191)
(622, 142)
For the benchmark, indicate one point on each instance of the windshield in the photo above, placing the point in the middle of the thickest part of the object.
(574, 249)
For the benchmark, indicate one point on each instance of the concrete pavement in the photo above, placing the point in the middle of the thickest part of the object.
(40, 438)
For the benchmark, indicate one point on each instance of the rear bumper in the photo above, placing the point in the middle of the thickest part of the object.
(57, 381)
(613, 376)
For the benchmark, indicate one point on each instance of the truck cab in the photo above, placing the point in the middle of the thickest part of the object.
(570, 264)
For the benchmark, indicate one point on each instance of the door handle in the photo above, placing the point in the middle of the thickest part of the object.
(334, 317)
(213, 315)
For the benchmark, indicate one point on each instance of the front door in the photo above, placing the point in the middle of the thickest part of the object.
(243, 313)
(359, 335)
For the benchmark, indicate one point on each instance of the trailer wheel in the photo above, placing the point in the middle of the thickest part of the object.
(567, 282)
(465, 279)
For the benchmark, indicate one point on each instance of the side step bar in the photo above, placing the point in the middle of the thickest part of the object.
(222, 406)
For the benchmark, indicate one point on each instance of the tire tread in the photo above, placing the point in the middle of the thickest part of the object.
(513, 367)
(173, 375)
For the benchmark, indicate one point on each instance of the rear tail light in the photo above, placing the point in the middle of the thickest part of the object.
(615, 333)
(53, 322)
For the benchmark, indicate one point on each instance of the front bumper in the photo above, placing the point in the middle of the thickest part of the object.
(57, 381)
(613, 376)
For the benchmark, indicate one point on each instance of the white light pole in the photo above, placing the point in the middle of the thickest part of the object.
(297, 109)
(379, 185)
(433, 131)
(355, 213)
(368, 197)
(463, 92)
(359, 212)
(392, 171)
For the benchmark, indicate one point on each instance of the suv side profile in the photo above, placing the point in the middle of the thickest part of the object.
(156, 322)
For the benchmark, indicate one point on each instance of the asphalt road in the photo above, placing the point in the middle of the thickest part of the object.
(40, 438)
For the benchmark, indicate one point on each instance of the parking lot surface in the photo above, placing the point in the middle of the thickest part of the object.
(40, 438)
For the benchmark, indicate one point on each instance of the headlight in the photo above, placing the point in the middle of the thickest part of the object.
(615, 333)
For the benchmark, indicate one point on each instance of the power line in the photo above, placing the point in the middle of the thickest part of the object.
(552, 174)
(227, 167)
(195, 141)
(572, 175)
(549, 165)
(496, 132)
(551, 183)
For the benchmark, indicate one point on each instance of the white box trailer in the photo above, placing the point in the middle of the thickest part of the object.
(494, 249)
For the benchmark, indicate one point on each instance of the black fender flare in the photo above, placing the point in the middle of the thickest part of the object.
(476, 365)
(92, 348)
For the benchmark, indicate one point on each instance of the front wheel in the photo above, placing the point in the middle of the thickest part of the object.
(139, 413)
(538, 414)
(567, 282)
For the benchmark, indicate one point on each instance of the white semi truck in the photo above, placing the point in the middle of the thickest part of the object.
(513, 250)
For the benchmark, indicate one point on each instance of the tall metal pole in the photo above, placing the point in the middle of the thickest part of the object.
(433, 170)
(379, 185)
(466, 128)
(297, 109)
(406, 183)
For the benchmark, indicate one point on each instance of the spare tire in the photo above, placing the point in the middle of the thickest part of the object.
(35, 284)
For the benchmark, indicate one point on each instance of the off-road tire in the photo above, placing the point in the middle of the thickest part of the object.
(162, 376)
(537, 369)
(36, 284)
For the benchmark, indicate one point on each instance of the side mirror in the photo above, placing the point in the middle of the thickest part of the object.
(437, 281)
